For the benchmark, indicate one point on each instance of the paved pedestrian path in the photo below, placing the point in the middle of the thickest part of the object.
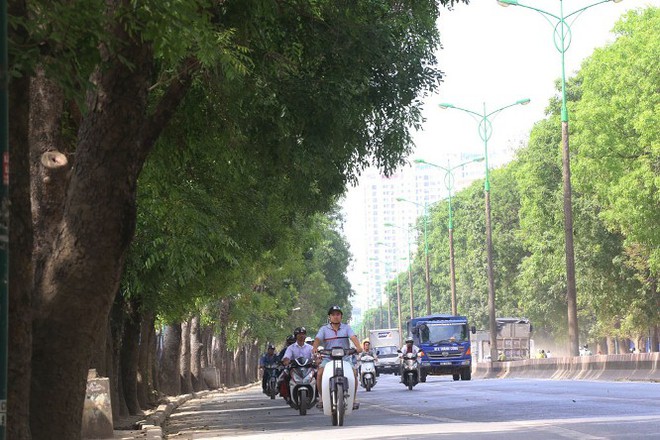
(150, 423)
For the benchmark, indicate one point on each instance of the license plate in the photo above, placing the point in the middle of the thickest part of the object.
(444, 363)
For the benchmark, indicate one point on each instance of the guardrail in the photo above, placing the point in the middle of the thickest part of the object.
(634, 367)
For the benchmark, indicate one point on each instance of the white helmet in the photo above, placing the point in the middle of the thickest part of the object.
(309, 340)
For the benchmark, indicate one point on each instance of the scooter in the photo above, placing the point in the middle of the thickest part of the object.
(367, 372)
(272, 372)
(302, 384)
(338, 385)
(410, 376)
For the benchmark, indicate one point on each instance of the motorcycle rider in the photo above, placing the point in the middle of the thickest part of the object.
(366, 350)
(289, 340)
(283, 380)
(298, 348)
(335, 335)
(408, 347)
(266, 359)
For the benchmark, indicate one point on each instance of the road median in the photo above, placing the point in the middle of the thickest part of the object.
(631, 367)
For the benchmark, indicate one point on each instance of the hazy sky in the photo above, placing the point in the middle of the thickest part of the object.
(497, 55)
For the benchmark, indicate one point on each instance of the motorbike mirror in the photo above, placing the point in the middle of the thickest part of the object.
(473, 329)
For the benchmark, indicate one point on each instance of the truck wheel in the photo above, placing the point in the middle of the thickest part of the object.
(466, 374)
(456, 376)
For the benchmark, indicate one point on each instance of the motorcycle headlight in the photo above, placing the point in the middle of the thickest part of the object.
(337, 352)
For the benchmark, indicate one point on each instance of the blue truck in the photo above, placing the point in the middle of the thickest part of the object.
(445, 342)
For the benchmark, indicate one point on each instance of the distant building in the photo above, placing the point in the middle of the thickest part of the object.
(381, 251)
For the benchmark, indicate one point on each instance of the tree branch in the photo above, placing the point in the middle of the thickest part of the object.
(168, 105)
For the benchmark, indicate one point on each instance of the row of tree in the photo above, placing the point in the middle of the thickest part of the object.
(615, 143)
(178, 162)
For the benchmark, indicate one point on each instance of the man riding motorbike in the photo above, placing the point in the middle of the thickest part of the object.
(295, 350)
(289, 340)
(366, 350)
(299, 348)
(267, 358)
(335, 335)
(408, 347)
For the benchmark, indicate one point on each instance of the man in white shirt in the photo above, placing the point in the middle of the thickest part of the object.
(298, 348)
(293, 351)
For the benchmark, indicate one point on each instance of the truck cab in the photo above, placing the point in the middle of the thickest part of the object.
(445, 343)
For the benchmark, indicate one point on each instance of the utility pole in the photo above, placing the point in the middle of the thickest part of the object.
(4, 219)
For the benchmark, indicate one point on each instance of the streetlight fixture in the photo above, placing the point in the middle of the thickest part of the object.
(485, 132)
(562, 38)
(426, 252)
(449, 183)
(392, 225)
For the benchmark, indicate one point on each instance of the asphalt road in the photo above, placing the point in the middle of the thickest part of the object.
(440, 408)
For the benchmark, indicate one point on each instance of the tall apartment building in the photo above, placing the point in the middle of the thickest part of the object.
(380, 228)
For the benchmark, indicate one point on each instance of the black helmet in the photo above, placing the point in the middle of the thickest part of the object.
(335, 309)
(299, 330)
(409, 340)
(290, 339)
(270, 345)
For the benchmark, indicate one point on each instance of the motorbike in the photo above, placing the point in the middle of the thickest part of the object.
(302, 384)
(338, 385)
(271, 372)
(410, 375)
(367, 372)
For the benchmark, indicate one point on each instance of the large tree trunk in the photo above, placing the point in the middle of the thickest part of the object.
(78, 265)
(184, 359)
(77, 280)
(144, 378)
(116, 328)
(170, 381)
(207, 346)
(129, 356)
(196, 348)
(225, 356)
(20, 249)
(154, 340)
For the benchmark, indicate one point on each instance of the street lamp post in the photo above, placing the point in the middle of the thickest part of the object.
(485, 132)
(410, 283)
(562, 38)
(398, 300)
(449, 183)
(426, 252)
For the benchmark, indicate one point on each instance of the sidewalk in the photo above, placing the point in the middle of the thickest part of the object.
(150, 423)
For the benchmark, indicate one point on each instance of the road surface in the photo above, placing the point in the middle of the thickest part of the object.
(440, 408)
